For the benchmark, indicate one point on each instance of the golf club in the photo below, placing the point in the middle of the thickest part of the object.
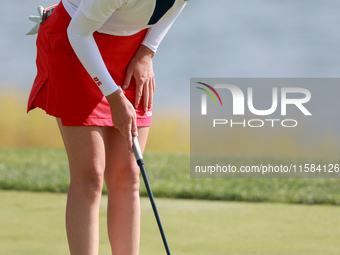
(140, 162)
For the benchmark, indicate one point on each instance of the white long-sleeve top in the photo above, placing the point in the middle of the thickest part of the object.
(116, 17)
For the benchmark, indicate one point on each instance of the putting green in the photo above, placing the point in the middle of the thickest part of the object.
(33, 223)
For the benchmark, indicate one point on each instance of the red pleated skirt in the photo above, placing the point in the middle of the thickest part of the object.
(65, 90)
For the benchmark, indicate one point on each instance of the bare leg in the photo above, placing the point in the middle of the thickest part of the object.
(122, 181)
(86, 155)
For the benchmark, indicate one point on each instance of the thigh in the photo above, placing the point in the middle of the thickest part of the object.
(119, 160)
(85, 148)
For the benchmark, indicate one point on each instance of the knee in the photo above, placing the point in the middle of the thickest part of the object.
(88, 180)
(123, 177)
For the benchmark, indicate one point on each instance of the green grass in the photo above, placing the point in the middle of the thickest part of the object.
(33, 224)
(47, 170)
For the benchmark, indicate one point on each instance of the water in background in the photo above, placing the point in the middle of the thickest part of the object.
(221, 38)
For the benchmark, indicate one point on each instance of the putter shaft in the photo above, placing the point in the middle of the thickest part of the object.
(140, 162)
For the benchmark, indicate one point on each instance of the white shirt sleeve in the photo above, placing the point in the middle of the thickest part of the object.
(156, 33)
(80, 33)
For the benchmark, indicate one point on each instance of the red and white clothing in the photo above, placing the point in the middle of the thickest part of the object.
(123, 17)
(94, 39)
(115, 17)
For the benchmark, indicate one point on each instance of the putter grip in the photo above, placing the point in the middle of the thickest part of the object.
(137, 151)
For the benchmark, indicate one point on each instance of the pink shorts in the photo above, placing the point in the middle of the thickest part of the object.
(65, 90)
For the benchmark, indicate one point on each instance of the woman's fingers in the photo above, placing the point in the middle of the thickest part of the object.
(146, 96)
(151, 92)
(134, 129)
(139, 91)
(141, 69)
(127, 79)
(123, 116)
(145, 90)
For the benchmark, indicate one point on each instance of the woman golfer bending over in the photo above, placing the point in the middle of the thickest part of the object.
(95, 75)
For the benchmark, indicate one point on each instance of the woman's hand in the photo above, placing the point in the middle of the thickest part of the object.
(140, 68)
(123, 115)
